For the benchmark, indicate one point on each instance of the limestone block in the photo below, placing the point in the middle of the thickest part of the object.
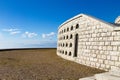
(118, 33)
(91, 59)
(115, 71)
(87, 78)
(100, 48)
(116, 38)
(101, 43)
(100, 30)
(93, 64)
(119, 58)
(98, 56)
(103, 34)
(117, 63)
(100, 61)
(114, 58)
(98, 35)
(107, 43)
(108, 57)
(104, 48)
(104, 56)
(96, 31)
(110, 38)
(108, 33)
(114, 33)
(105, 38)
(93, 35)
(108, 67)
(107, 52)
(114, 53)
(103, 66)
(91, 47)
(101, 39)
(94, 55)
(109, 47)
(116, 43)
(105, 30)
(106, 76)
(95, 59)
(119, 48)
(97, 65)
(95, 47)
(106, 62)
(111, 62)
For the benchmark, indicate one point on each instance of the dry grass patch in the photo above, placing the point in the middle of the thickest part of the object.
(40, 64)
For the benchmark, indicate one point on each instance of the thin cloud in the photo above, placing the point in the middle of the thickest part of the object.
(15, 32)
(48, 35)
(29, 34)
(12, 31)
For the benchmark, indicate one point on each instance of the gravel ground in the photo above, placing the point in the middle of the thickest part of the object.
(40, 64)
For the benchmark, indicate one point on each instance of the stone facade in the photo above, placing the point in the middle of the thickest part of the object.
(90, 41)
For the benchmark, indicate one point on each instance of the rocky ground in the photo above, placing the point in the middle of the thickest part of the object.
(40, 64)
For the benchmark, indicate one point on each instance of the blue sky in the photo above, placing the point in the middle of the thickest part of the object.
(34, 23)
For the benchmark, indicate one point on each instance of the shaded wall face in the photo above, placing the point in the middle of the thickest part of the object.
(98, 43)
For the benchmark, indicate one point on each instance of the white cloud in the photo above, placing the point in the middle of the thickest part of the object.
(48, 35)
(12, 31)
(15, 32)
(29, 34)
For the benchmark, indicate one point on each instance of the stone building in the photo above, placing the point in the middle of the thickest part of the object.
(90, 41)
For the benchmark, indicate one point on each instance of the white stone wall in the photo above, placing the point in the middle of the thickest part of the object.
(98, 43)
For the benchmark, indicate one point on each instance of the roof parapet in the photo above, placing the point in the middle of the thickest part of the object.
(117, 29)
(117, 21)
(79, 15)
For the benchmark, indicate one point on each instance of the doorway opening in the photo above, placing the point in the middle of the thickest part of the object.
(76, 46)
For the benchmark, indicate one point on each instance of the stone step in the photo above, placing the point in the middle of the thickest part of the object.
(115, 71)
(88, 78)
(106, 76)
